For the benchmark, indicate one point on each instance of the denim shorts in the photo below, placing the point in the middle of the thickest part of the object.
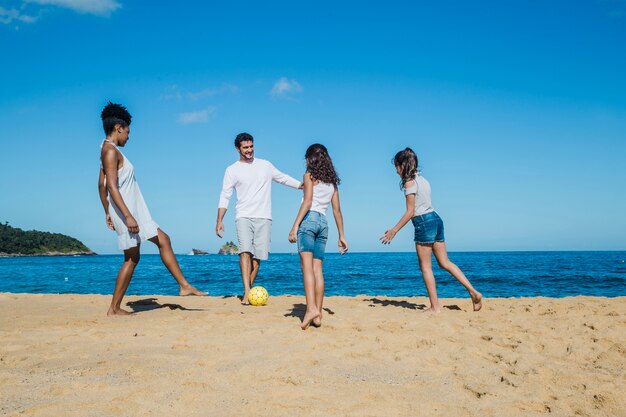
(313, 234)
(428, 228)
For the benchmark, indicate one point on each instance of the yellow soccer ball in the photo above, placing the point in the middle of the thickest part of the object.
(258, 296)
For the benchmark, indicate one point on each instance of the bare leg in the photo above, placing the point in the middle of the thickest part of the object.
(256, 264)
(319, 290)
(308, 277)
(441, 254)
(424, 255)
(163, 242)
(245, 266)
(131, 259)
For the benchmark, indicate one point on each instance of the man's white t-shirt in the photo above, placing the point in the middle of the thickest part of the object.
(253, 183)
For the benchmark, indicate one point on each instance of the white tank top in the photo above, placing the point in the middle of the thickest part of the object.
(322, 194)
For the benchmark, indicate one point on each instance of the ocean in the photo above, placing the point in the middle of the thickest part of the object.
(495, 274)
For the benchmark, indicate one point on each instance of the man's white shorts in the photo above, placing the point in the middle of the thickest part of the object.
(254, 236)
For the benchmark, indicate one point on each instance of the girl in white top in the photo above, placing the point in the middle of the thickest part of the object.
(428, 225)
(125, 209)
(310, 229)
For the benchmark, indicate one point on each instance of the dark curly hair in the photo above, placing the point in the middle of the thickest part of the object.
(243, 137)
(114, 114)
(320, 166)
(407, 161)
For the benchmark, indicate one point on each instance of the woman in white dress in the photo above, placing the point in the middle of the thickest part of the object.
(125, 209)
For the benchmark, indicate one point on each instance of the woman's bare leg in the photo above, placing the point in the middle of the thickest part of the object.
(441, 254)
(424, 255)
(131, 259)
(319, 290)
(163, 242)
(308, 278)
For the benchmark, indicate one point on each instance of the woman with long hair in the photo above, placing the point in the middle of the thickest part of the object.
(310, 229)
(428, 225)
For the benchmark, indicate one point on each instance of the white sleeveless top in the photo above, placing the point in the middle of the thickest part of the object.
(423, 200)
(322, 194)
(131, 194)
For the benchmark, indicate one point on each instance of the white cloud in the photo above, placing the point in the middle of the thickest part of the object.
(201, 116)
(174, 92)
(285, 88)
(9, 15)
(97, 7)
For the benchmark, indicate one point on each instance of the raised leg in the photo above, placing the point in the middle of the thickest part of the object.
(131, 259)
(163, 242)
(308, 278)
(441, 254)
(424, 255)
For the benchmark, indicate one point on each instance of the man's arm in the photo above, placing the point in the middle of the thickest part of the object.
(284, 179)
(227, 192)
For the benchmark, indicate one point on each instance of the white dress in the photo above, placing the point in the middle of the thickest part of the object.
(131, 194)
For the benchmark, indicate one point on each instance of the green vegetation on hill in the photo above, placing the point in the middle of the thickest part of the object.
(14, 241)
(228, 249)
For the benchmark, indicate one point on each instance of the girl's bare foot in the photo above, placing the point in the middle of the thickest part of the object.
(308, 318)
(118, 312)
(317, 322)
(191, 290)
(431, 311)
(477, 301)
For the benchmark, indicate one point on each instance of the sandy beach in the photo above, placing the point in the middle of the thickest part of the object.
(374, 356)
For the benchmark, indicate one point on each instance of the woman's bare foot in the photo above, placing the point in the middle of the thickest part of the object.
(308, 318)
(118, 312)
(191, 290)
(477, 301)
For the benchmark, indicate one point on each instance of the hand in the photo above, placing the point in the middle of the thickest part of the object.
(293, 235)
(301, 187)
(343, 246)
(132, 225)
(109, 222)
(388, 236)
(219, 229)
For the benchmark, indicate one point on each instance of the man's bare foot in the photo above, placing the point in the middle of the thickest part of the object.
(431, 311)
(244, 299)
(308, 318)
(191, 290)
(118, 312)
(477, 301)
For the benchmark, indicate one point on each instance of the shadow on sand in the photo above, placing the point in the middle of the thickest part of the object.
(148, 304)
(299, 310)
(394, 303)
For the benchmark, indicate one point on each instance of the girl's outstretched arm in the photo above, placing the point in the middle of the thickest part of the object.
(343, 243)
(304, 207)
(408, 214)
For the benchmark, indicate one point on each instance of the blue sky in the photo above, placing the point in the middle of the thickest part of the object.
(517, 111)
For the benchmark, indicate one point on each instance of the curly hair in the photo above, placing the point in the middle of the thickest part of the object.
(243, 137)
(407, 161)
(320, 166)
(114, 114)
